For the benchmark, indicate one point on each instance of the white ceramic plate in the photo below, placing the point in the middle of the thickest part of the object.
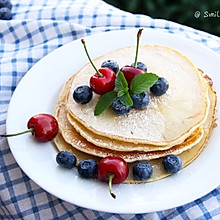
(38, 92)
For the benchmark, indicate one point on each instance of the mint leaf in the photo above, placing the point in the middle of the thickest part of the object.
(122, 92)
(142, 82)
(121, 82)
(126, 99)
(104, 102)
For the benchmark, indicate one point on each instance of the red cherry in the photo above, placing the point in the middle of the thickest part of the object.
(104, 83)
(114, 170)
(104, 79)
(130, 72)
(45, 127)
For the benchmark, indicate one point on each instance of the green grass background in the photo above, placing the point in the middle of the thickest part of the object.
(180, 11)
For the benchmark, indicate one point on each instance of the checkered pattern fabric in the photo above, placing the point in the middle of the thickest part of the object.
(37, 28)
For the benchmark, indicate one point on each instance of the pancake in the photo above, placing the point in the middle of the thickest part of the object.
(116, 145)
(158, 172)
(83, 139)
(105, 142)
(168, 120)
(72, 137)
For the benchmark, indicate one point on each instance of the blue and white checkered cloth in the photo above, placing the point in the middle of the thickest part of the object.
(37, 28)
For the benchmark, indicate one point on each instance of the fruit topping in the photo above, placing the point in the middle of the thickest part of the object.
(119, 108)
(113, 170)
(126, 89)
(139, 84)
(104, 79)
(87, 168)
(44, 127)
(112, 64)
(142, 171)
(66, 159)
(131, 71)
(172, 163)
(82, 94)
(105, 83)
(140, 101)
(141, 65)
(160, 87)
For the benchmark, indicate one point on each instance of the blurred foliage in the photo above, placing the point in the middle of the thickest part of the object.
(182, 11)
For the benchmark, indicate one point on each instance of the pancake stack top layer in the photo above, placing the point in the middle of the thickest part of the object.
(168, 119)
(178, 122)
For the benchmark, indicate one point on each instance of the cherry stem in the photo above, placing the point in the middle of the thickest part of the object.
(16, 134)
(111, 176)
(84, 44)
(137, 46)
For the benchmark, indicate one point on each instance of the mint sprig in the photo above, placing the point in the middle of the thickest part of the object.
(126, 99)
(139, 84)
(104, 102)
(121, 85)
(142, 82)
(121, 82)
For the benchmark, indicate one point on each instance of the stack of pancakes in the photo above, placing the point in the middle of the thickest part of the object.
(178, 122)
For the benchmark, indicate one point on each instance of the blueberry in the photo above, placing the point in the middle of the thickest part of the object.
(66, 159)
(141, 100)
(142, 171)
(5, 4)
(82, 94)
(172, 163)
(160, 87)
(141, 66)
(112, 65)
(87, 168)
(5, 14)
(119, 108)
